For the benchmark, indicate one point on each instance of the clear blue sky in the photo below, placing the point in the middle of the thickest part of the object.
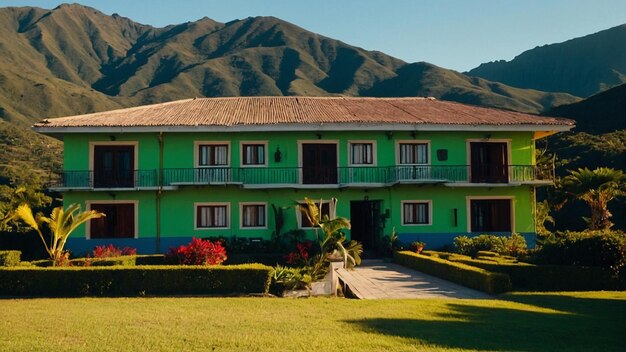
(456, 34)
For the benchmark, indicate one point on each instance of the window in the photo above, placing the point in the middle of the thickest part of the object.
(490, 215)
(253, 215)
(213, 155)
(304, 220)
(413, 153)
(118, 222)
(361, 153)
(253, 154)
(212, 216)
(416, 213)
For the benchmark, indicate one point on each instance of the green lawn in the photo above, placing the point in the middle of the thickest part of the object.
(593, 321)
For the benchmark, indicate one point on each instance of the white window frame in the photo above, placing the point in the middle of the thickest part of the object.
(205, 204)
(241, 153)
(241, 205)
(89, 203)
(413, 141)
(196, 153)
(468, 201)
(422, 201)
(374, 152)
(299, 214)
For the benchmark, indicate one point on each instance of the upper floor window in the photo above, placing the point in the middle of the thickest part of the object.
(253, 154)
(362, 153)
(413, 153)
(212, 215)
(213, 154)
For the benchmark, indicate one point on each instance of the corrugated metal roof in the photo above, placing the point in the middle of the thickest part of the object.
(251, 111)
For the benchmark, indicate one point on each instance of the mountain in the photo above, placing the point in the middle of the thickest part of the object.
(601, 113)
(74, 59)
(582, 66)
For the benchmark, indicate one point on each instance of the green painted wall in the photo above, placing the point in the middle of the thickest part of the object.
(178, 206)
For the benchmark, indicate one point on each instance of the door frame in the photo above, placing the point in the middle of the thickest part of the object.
(315, 141)
(135, 203)
(468, 202)
(468, 154)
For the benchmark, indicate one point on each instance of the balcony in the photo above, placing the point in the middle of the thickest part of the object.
(292, 177)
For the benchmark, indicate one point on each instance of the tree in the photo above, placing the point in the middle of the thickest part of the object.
(61, 224)
(333, 241)
(596, 188)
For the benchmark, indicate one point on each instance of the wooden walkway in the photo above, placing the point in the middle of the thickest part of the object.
(376, 279)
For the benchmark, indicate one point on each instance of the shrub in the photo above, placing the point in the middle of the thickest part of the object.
(132, 281)
(10, 258)
(301, 256)
(110, 251)
(462, 274)
(150, 259)
(198, 252)
(417, 246)
(604, 248)
(514, 245)
(285, 278)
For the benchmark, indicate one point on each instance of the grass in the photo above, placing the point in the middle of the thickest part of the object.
(515, 322)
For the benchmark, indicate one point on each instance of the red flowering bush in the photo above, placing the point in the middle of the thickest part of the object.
(110, 251)
(198, 252)
(301, 256)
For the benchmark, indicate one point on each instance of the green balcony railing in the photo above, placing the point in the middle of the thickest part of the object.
(297, 176)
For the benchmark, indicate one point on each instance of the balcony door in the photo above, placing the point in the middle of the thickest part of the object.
(113, 166)
(319, 163)
(489, 162)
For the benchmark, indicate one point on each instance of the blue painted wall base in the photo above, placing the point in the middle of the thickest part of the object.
(80, 246)
(435, 241)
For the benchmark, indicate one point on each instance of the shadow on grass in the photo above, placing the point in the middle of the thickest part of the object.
(576, 324)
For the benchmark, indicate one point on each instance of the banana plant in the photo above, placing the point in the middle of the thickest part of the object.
(62, 222)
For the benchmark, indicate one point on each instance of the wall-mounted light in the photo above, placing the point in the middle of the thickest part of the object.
(319, 135)
(487, 136)
(389, 135)
(413, 134)
(277, 154)
(112, 137)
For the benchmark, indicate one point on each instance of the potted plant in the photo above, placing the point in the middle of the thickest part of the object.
(417, 246)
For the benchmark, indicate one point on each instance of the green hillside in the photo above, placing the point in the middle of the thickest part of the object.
(581, 66)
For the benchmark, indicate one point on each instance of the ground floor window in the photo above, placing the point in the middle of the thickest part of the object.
(490, 215)
(253, 215)
(214, 215)
(304, 220)
(416, 212)
(119, 222)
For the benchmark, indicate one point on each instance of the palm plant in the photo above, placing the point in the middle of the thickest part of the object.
(596, 188)
(333, 241)
(61, 224)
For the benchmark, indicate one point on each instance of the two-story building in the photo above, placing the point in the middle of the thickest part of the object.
(212, 167)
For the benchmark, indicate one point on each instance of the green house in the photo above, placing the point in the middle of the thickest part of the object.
(211, 167)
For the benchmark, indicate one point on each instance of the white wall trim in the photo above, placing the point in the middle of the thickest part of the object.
(135, 204)
(241, 205)
(468, 209)
(430, 211)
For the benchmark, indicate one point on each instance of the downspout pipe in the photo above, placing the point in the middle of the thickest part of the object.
(159, 193)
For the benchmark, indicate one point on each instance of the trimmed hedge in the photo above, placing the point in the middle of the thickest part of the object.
(10, 258)
(133, 281)
(461, 274)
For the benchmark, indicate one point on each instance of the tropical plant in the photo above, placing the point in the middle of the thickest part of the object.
(597, 188)
(62, 222)
(542, 216)
(332, 242)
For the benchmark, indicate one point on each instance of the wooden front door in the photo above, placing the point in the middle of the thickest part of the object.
(489, 162)
(113, 166)
(367, 227)
(319, 163)
(119, 221)
(490, 215)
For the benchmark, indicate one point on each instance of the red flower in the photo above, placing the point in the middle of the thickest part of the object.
(198, 252)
